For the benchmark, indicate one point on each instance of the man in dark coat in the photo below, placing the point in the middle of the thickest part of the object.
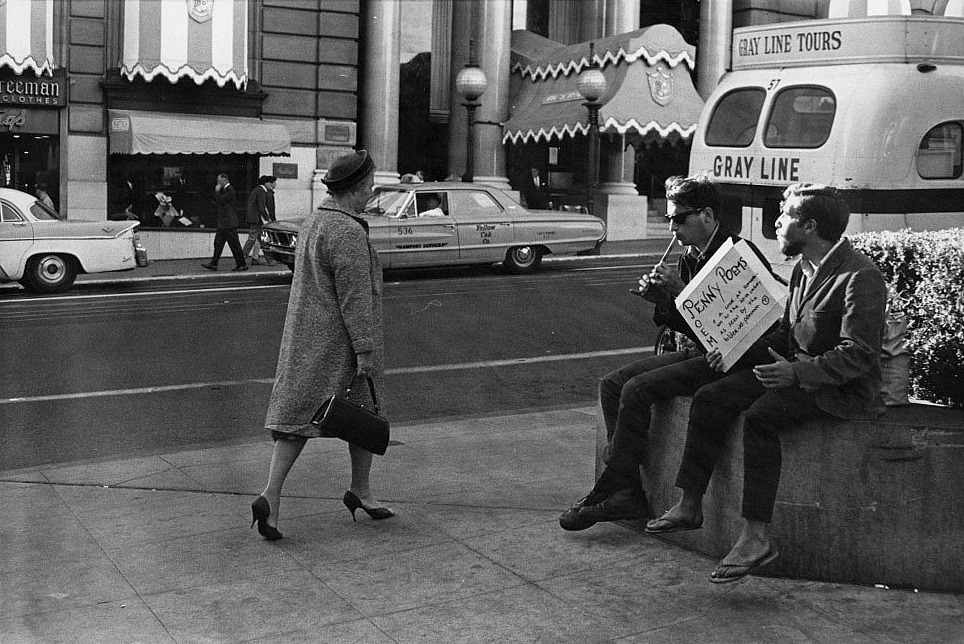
(225, 197)
(260, 211)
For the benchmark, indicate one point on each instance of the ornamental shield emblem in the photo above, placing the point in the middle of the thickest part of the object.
(200, 10)
(660, 85)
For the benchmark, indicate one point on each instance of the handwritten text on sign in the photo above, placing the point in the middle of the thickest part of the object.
(732, 301)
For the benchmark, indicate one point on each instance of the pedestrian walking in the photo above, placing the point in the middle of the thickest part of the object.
(332, 335)
(225, 198)
(260, 211)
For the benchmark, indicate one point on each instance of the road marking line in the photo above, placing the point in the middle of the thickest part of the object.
(486, 364)
(102, 296)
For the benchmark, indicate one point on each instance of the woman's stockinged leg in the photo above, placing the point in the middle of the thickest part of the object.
(361, 467)
(286, 452)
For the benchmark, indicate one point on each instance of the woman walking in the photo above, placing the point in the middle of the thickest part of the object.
(332, 335)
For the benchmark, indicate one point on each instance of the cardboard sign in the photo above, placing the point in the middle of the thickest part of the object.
(732, 301)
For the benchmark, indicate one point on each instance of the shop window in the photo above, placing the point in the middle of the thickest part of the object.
(939, 152)
(801, 117)
(735, 117)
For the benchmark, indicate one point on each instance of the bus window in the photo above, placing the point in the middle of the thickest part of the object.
(801, 117)
(734, 119)
(939, 152)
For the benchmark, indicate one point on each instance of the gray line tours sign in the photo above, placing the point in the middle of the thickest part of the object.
(732, 301)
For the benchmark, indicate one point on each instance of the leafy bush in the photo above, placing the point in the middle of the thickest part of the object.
(926, 272)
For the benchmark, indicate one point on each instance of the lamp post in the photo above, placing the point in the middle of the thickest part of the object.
(592, 86)
(471, 84)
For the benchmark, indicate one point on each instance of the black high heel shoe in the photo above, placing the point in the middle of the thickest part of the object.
(352, 502)
(260, 511)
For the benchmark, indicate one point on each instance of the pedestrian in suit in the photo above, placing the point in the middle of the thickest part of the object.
(821, 362)
(225, 199)
(259, 212)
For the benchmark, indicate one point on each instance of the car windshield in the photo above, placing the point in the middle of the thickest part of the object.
(42, 212)
(387, 203)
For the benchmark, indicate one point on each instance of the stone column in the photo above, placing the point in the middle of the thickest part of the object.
(619, 163)
(381, 38)
(592, 20)
(564, 21)
(462, 32)
(439, 103)
(494, 46)
(713, 52)
(621, 16)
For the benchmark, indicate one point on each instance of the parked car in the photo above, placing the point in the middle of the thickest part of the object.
(44, 251)
(447, 224)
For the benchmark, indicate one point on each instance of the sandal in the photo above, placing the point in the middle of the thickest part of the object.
(739, 571)
(666, 524)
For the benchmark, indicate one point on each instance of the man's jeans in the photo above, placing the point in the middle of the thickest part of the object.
(252, 247)
(768, 411)
(628, 393)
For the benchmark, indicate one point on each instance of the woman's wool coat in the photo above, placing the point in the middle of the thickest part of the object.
(334, 312)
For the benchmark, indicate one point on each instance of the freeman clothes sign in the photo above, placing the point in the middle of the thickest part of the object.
(37, 91)
(732, 301)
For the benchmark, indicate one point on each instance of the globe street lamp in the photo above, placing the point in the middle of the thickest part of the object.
(471, 84)
(592, 86)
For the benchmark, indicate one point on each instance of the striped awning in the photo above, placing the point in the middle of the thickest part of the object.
(649, 91)
(196, 39)
(134, 132)
(27, 35)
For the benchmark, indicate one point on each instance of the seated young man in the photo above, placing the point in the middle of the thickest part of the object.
(823, 361)
(627, 394)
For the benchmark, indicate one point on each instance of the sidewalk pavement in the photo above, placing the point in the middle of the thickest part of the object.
(158, 549)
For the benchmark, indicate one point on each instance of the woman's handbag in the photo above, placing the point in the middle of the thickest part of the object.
(351, 422)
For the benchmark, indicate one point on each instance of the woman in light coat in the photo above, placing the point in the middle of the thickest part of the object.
(332, 335)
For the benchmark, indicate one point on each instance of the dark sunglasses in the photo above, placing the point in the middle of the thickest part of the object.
(679, 217)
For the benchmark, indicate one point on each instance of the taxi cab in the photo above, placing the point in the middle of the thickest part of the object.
(450, 223)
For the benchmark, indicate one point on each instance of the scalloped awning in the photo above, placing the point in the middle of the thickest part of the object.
(197, 39)
(134, 132)
(650, 92)
(27, 36)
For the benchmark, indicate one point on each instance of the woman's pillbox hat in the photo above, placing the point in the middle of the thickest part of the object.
(348, 170)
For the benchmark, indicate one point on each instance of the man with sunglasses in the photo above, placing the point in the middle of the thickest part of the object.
(627, 394)
(822, 361)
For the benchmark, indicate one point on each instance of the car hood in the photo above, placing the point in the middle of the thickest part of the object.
(78, 228)
(291, 225)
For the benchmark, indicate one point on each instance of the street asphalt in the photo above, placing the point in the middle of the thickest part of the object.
(159, 549)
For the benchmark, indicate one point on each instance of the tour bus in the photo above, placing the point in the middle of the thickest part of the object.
(873, 106)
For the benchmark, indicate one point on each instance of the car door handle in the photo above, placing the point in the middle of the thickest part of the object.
(450, 226)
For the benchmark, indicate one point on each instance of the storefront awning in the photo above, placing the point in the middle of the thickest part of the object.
(160, 133)
(649, 90)
(27, 35)
(200, 40)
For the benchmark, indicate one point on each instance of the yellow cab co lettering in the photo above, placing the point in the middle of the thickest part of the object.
(763, 168)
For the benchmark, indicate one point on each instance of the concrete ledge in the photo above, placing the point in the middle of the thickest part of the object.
(866, 502)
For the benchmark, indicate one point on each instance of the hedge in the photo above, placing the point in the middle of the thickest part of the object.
(926, 272)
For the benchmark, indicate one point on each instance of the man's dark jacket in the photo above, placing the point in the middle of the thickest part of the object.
(260, 206)
(831, 332)
(689, 265)
(225, 199)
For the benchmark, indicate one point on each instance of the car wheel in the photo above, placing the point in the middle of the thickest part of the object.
(50, 273)
(521, 259)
